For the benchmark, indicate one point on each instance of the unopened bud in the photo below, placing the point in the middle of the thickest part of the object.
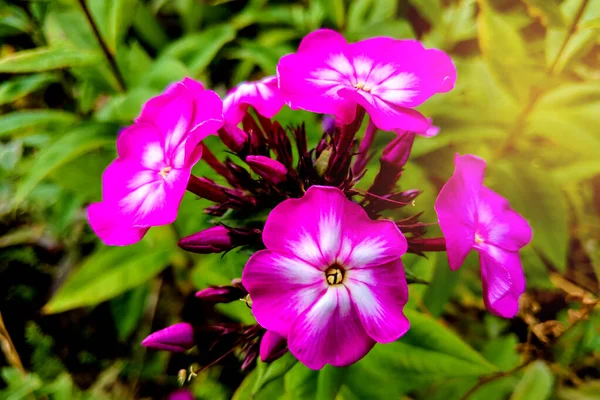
(397, 152)
(222, 294)
(176, 338)
(272, 346)
(212, 240)
(181, 394)
(250, 357)
(271, 170)
(233, 137)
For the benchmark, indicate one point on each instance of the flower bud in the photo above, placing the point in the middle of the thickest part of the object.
(222, 294)
(181, 394)
(272, 346)
(212, 240)
(177, 338)
(233, 137)
(396, 153)
(271, 170)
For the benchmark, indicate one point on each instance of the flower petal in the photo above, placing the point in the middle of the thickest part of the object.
(144, 196)
(281, 288)
(172, 113)
(107, 224)
(379, 294)
(366, 242)
(456, 207)
(502, 279)
(143, 143)
(499, 224)
(263, 95)
(329, 332)
(322, 39)
(310, 227)
(310, 79)
(385, 115)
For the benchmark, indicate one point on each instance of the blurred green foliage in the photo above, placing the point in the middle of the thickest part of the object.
(527, 100)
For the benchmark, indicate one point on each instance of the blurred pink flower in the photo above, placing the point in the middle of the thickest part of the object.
(145, 184)
(387, 77)
(331, 280)
(263, 95)
(472, 216)
(181, 394)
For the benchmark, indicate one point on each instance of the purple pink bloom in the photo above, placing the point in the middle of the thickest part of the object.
(331, 280)
(144, 186)
(472, 216)
(387, 77)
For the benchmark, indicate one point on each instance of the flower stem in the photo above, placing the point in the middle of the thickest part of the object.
(109, 56)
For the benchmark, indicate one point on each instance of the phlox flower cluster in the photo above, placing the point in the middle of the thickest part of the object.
(324, 277)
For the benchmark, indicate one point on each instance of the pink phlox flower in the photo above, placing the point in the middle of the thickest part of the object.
(263, 95)
(472, 216)
(387, 77)
(144, 186)
(331, 280)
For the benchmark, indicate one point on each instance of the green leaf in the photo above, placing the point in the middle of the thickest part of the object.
(30, 121)
(272, 371)
(110, 271)
(506, 56)
(427, 353)
(78, 141)
(431, 10)
(548, 11)
(563, 46)
(197, 50)
(536, 384)
(124, 108)
(441, 286)
(47, 58)
(19, 87)
(121, 17)
(128, 309)
(330, 382)
(301, 382)
(533, 194)
(13, 20)
(148, 28)
(335, 11)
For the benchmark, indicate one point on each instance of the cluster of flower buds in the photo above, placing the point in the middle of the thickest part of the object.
(326, 279)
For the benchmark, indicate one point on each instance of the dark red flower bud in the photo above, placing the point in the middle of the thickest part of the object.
(233, 137)
(272, 346)
(397, 152)
(222, 294)
(212, 240)
(271, 170)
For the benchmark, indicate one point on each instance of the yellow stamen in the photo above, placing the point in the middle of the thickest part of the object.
(478, 238)
(334, 275)
(163, 172)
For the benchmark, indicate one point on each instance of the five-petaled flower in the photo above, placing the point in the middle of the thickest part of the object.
(387, 77)
(331, 280)
(472, 216)
(144, 186)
